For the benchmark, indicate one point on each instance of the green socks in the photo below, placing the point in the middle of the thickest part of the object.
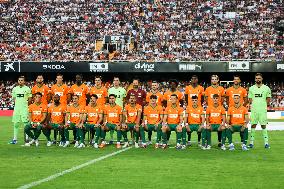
(265, 136)
(252, 134)
(142, 134)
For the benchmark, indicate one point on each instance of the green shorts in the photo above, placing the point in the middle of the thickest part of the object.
(236, 128)
(152, 127)
(130, 126)
(259, 117)
(215, 127)
(89, 126)
(172, 127)
(24, 118)
(30, 127)
(111, 126)
(194, 127)
(72, 126)
(54, 125)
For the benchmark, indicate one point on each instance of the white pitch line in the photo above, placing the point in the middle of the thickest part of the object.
(52, 177)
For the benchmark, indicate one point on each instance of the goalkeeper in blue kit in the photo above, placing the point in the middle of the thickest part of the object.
(259, 98)
(22, 95)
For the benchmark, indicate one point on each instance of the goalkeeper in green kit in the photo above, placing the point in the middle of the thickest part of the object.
(259, 98)
(22, 96)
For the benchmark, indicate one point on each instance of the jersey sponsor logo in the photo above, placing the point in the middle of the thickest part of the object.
(75, 114)
(191, 95)
(237, 115)
(173, 116)
(20, 95)
(258, 95)
(154, 116)
(194, 115)
(56, 113)
(99, 95)
(215, 114)
(78, 93)
(59, 93)
(92, 114)
(36, 112)
(236, 95)
(131, 114)
(112, 115)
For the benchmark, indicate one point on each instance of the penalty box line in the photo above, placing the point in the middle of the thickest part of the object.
(52, 177)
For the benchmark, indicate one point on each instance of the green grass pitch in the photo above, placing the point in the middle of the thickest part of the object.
(142, 168)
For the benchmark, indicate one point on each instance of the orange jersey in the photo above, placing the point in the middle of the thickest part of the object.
(44, 90)
(191, 91)
(37, 111)
(237, 115)
(153, 114)
(194, 115)
(75, 113)
(159, 97)
(167, 96)
(57, 113)
(173, 114)
(132, 112)
(101, 93)
(62, 91)
(210, 91)
(215, 114)
(113, 113)
(232, 91)
(93, 113)
(81, 91)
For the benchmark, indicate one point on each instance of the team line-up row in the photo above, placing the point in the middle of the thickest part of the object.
(100, 118)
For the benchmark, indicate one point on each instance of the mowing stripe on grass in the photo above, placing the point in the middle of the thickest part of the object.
(52, 177)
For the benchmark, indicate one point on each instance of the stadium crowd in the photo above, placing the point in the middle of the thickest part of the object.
(162, 30)
(6, 102)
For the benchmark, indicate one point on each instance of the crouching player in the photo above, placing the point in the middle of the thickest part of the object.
(153, 117)
(55, 120)
(112, 120)
(37, 116)
(172, 121)
(215, 120)
(93, 116)
(194, 119)
(131, 118)
(73, 121)
(237, 122)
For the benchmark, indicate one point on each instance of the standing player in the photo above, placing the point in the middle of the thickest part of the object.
(131, 120)
(37, 114)
(22, 96)
(172, 121)
(42, 88)
(194, 119)
(154, 91)
(173, 90)
(259, 98)
(99, 90)
(193, 90)
(215, 120)
(139, 94)
(80, 89)
(93, 117)
(112, 120)
(212, 90)
(61, 90)
(153, 117)
(236, 89)
(237, 120)
(120, 94)
(73, 121)
(55, 120)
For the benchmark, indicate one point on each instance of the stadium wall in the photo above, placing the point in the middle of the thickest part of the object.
(136, 67)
